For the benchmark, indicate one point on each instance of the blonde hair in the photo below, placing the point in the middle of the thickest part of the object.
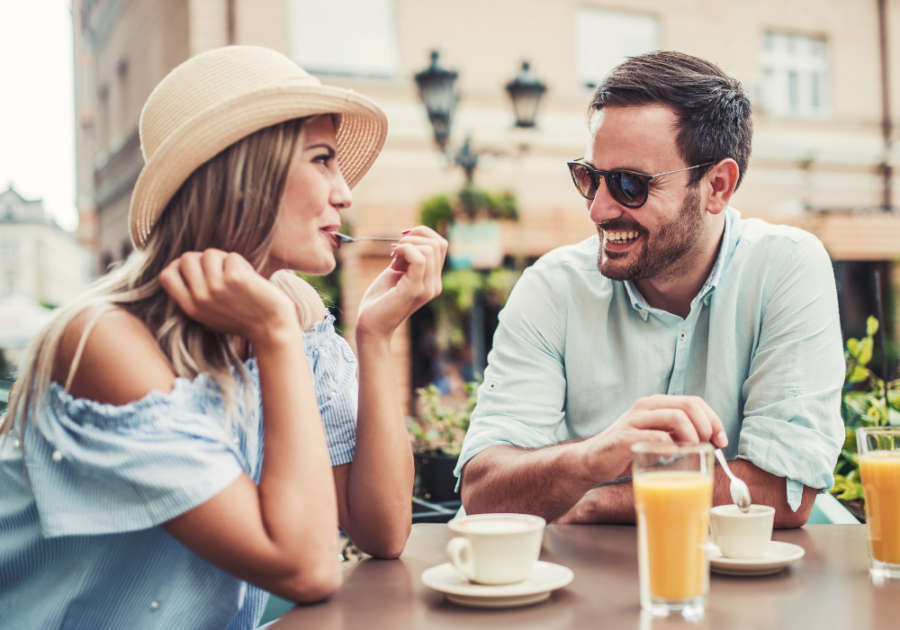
(232, 203)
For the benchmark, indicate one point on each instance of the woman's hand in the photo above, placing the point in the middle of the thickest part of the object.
(224, 293)
(412, 279)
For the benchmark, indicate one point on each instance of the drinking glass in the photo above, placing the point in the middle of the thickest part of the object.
(879, 466)
(672, 496)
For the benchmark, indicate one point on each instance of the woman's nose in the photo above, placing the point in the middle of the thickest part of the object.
(341, 197)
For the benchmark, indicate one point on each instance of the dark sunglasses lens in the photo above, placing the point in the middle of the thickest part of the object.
(628, 189)
(585, 181)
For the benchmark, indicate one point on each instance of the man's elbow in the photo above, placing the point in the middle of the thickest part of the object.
(786, 518)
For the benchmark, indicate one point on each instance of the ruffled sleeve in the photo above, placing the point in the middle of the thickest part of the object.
(333, 365)
(101, 469)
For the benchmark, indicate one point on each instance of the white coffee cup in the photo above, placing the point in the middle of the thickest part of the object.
(495, 548)
(739, 535)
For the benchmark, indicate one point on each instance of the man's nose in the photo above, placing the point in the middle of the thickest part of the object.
(604, 207)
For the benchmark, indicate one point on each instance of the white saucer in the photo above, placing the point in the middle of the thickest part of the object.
(544, 578)
(778, 556)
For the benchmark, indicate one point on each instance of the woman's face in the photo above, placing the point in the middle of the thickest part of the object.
(315, 194)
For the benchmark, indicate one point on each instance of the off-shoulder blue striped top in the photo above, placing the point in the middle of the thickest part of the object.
(81, 545)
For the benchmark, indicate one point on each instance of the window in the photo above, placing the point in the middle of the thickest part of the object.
(9, 249)
(356, 37)
(795, 75)
(603, 39)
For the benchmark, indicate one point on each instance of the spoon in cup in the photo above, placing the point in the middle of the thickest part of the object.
(740, 493)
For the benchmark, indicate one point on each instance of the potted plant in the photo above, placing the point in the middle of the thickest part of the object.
(437, 437)
(863, 404)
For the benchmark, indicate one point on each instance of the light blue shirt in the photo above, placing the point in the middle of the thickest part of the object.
(81, 545)
(762, 345)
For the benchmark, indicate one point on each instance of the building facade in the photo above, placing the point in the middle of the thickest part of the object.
(38, 259)
(823, 147)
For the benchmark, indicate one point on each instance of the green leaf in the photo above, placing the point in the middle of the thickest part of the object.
(853, 346)
(871, 326)
(858, 375)
(865, 350)
(850, 441)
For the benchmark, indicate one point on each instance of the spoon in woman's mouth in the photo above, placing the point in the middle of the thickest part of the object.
(349, 239)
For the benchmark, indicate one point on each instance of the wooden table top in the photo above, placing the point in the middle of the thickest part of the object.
(829, 588)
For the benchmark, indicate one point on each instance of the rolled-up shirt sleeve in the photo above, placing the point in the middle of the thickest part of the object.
(522, 399)
(792, 425)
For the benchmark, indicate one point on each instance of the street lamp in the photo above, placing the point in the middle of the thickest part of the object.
(437, 89)
(525, 91)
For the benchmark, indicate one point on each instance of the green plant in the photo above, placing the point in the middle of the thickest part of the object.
(441, 429)
(458, 296)
(470, 203)
(862, 405)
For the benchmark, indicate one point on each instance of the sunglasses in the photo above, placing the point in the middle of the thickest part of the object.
(626, 187)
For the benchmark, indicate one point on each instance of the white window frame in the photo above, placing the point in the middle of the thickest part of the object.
(603, 40)
(344, 37)
(795, 75)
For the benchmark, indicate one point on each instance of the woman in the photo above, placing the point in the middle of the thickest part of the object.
(141, 487)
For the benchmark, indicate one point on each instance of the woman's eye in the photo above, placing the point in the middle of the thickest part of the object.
(323, 159)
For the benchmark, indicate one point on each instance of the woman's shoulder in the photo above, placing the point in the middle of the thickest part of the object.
(112, 356)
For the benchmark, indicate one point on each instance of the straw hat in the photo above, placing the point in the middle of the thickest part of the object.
(216, 98)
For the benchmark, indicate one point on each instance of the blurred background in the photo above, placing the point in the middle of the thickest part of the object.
(477, 142)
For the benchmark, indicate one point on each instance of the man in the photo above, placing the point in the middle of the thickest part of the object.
(692, 324)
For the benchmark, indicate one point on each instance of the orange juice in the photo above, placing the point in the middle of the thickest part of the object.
(673, 517)
(880, 472)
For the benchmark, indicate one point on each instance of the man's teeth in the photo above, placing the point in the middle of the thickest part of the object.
(621, 237)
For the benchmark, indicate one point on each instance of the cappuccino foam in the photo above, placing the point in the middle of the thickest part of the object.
(495, 525)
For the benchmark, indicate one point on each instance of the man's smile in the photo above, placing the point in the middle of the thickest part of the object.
(620, 240)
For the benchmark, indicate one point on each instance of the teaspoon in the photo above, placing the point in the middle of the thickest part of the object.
(740, 493)
(349, 239)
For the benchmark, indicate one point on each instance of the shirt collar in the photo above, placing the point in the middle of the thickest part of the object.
(641, 305)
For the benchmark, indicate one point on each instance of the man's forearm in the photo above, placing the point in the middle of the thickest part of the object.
(546, 482)
(615, 503)
(609, 504)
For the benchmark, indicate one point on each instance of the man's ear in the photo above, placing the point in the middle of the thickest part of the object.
(721, 180)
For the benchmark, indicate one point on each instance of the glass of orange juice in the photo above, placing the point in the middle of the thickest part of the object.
(879, 465)
(672, 497)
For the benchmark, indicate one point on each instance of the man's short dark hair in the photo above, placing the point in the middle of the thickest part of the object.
(713, 111)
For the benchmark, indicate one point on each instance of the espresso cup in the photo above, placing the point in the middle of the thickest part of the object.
(742, 536)
(495, 548)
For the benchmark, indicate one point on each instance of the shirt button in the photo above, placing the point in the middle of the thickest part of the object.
(16, 444)
(57, 456)
(237, 440)
(682, 336)
(332, 394)
(154, 605)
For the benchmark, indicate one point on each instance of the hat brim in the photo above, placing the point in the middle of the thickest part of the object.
(360, 136)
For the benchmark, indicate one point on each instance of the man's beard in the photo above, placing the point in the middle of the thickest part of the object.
(658, 252)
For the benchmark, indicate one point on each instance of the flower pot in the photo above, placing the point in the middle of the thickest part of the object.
(436, 480)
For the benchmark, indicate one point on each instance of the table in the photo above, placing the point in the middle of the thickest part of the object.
(829, 588)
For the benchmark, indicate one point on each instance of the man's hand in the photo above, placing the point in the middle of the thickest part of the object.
(548, 481)
(657, 418)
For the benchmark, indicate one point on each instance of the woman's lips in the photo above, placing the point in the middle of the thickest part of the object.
(335, 241)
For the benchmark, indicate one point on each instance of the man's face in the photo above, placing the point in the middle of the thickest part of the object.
(644, 242)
